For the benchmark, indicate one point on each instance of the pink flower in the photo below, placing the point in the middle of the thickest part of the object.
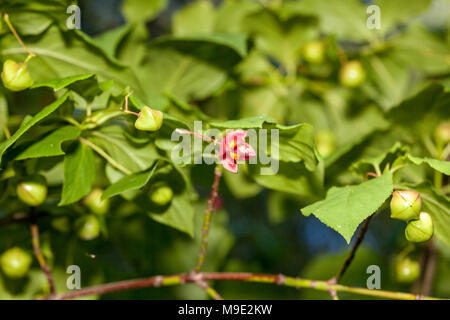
(232, 148)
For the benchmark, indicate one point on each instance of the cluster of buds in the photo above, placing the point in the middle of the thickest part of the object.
(406, 206)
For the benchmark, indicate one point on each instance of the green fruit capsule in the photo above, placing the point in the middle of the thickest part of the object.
(89, 228)
(15, 262)
(161, 195)
(314, 52)
(95, 203)
(420, 230)
(15, 76)
(325, 143)
(442, 133)
(32, 190)
(407, 270)
(352, 74)
(149, 119)
(405, 205)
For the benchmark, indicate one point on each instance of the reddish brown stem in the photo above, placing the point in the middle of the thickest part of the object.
(277, 279)
(207, 220)
(430, 268)
(352, 253)
(371, 174)
(209, 290)
(38, 253)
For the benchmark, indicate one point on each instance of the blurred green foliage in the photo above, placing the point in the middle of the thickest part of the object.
(231, 64)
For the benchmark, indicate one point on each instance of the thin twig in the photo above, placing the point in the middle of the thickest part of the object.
(16, 35)
(209, 290)
(430, 268)
(180, 279)
(38, 253)
(107, 157)
(351, 255)
(207, 220)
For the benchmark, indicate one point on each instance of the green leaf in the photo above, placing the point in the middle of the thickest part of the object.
(133, 157)
(231, 13)
(3, 115)
(436, 204)
(109, 40)
(50, 144)
(376, 157)
(195, 18)
(168, 71)
(141, 10)
(281, 38)
(79, 173)
(424, 49)
(394, 13)
(30, 23)
(296, 143)
(58, 84)
(231, 47)
(344, 208)
(343, 18)
(130, 182)
(291, 177)
(241, 185)
(31, 122)
(387, 82)
(60, 55)
(421, 113)
(439, 165)
(180, 215)
(347, 18)
(246, 123)
(190, 68)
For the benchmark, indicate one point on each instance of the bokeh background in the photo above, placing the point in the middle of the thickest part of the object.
(254, 229)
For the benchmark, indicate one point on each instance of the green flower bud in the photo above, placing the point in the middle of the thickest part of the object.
(314, 52)
(407, 270)
(325, 143)
(352, 74)
(89, 228)
(149, 119)
(161, 195)
(94, 202)
(442, 133)
(32, 190)
(405, 205)
(420, 230)
(15, 76)
(15, 262)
